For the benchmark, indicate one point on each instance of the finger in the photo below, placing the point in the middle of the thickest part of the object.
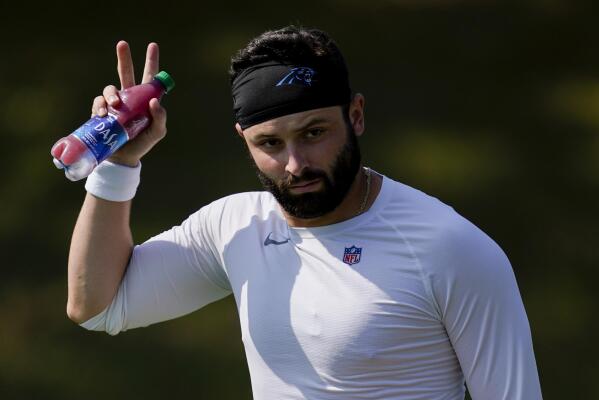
(158, 119)
(99, 106)
(125, 64)
(151, 66)
(111, 95)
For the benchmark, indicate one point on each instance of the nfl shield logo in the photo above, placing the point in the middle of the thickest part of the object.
(352, 255)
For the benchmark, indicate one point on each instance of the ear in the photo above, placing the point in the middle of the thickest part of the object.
(239, 130)
(356, 113)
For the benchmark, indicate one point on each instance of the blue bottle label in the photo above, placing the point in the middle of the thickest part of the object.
(103, 136)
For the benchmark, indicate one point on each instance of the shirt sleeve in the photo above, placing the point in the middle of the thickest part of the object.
(170, 275)
(476, 292)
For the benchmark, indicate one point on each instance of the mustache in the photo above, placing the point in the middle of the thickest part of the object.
(307, 175)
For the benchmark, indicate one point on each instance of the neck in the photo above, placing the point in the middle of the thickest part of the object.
(356, 201)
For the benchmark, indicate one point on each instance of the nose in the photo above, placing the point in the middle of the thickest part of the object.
(296, 161)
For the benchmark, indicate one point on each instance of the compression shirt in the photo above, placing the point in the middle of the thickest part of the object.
(408, 300)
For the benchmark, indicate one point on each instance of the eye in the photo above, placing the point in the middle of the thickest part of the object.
(269, 143)
(314, 133)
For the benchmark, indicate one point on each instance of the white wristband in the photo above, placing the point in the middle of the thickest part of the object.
(114, 182)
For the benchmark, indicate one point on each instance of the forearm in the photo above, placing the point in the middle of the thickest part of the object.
(100, 250)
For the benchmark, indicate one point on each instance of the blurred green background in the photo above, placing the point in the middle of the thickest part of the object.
(491, 106)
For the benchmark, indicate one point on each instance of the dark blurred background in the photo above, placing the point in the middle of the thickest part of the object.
(493, 107)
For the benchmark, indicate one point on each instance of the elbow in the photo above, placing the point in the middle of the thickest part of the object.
(90, 319)
(74, 313)
(77, 314)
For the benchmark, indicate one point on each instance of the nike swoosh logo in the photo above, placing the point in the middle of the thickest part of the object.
(268, 241)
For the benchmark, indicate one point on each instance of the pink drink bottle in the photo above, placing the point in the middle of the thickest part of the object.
(96, 140)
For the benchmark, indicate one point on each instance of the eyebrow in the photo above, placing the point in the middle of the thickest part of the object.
(308, 124)
(312, 122)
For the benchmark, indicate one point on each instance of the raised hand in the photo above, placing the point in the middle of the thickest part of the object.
(134, 150)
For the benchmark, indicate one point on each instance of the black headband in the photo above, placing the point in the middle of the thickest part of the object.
(271, 89)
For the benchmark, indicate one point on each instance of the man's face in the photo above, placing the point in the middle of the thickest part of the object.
(307, 160)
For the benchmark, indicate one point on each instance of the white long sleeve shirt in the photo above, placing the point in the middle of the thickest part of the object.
(406, 301)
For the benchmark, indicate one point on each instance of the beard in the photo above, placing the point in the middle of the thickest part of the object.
(335, 187)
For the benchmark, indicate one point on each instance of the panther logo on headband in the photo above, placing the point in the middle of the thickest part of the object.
(298, 75)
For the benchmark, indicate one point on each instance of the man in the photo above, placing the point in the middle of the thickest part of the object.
(349, 285)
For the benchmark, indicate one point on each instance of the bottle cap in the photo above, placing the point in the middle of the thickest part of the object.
(166, 80)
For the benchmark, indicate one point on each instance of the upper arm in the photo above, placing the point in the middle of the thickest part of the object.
(477, 294)
(171, 274)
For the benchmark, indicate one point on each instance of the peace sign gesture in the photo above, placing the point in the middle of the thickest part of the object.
(132, 151)
(125, 64)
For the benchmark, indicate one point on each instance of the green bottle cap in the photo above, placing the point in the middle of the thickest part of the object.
(166, 80)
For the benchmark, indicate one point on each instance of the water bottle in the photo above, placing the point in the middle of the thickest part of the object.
(93, 142)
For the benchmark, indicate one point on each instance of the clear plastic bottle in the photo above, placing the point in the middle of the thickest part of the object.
(93, 142)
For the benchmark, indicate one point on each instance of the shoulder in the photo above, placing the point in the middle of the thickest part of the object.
(461, 266)
(240, 203)
(418, 215)
(445, 241)
(235, 211)
(406, 202)
(461, 258)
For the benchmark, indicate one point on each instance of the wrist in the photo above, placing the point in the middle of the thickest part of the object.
(113, 181)
(131, 162)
